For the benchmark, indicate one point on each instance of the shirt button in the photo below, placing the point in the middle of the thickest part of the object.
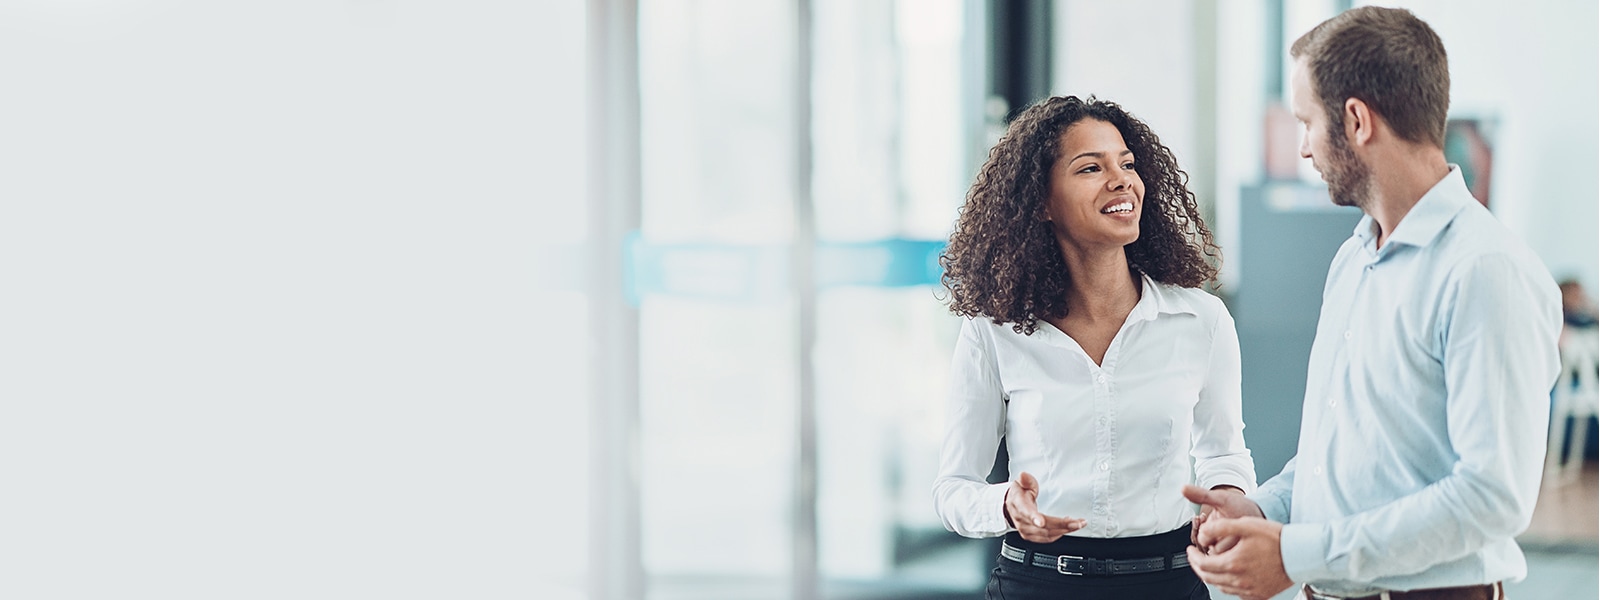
(1333, 402)
(1317, 470)
(1347, 335)
(1105, 466)
(1101, 378)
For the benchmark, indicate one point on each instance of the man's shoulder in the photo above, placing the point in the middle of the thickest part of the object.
(1476, 236)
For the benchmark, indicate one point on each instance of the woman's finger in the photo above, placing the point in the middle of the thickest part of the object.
(1027, 481)
(1062, 524)
(1194, 529)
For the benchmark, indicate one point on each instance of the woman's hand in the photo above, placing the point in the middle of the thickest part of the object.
(1223, 501)
(1022, 511)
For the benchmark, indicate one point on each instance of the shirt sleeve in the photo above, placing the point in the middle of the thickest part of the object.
(1274, 496)
(975, 421)
(1220, 456)
(1500, 359)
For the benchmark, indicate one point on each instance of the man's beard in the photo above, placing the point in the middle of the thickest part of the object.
(1349, 179)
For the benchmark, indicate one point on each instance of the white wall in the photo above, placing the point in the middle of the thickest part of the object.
(1536, 69)
(267, 329)
(1105, 49)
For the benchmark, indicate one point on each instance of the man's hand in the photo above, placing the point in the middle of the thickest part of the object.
(1022, 511)
(1225, 502)
(1251, 569)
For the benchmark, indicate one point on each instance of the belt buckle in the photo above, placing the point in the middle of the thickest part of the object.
(1061, 564)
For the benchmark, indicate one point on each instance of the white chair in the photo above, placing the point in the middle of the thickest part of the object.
(1576, 396)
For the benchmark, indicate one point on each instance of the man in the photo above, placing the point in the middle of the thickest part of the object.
(1427, 395)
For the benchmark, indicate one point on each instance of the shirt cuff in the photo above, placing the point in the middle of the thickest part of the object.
(1305, 552)
(994, 513)
(1238, 480)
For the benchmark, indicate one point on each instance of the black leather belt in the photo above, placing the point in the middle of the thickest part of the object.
(1078, 565)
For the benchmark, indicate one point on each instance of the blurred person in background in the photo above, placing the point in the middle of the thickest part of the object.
(1427, 391)
(1089, 347)
(1577, 309)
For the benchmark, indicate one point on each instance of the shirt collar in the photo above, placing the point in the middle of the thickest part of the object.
(1154, 300)
(1429, 216)
(1158, 299)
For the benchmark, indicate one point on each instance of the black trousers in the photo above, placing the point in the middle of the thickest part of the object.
(1012, 580)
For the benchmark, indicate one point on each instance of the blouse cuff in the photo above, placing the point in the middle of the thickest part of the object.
(1227, 477)
(993, 517)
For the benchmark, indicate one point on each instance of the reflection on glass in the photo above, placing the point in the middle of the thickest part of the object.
(883, 358)
(717, 396)
(890, 174)
(718, 366)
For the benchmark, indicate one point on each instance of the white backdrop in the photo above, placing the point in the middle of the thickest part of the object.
(267, 328)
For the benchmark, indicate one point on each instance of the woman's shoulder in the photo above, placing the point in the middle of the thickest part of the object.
(1191, 299)
(986, 328)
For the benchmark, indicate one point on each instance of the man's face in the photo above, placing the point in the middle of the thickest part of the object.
(1349, 180)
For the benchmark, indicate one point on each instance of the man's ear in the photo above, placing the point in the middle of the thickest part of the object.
(1360, 123)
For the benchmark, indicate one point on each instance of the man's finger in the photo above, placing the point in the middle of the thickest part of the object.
(1224, 545)
(1213, 564)
(1201, 563)
(1216, 529)
(1028, 482)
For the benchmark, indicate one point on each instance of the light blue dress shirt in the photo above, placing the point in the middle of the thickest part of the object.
(1426, 407)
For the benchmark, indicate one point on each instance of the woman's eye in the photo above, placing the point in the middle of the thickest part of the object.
(1089, 169)
(1128, 166)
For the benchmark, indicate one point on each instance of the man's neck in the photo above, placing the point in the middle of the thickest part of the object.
(1400, 178)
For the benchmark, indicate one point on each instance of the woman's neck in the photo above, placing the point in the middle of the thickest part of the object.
(1102, 285)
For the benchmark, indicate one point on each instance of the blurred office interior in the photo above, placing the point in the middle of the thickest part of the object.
(626, 299)
(774, 361)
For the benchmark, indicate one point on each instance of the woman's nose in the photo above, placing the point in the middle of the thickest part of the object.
(1121, 180)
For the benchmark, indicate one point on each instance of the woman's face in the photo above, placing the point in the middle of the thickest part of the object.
(1095, 195)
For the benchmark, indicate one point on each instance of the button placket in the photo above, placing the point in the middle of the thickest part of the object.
(1105, 447)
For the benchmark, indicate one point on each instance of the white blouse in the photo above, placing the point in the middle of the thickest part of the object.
(1107, 442)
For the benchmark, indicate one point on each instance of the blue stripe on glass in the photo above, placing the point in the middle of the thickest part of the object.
(757, 273)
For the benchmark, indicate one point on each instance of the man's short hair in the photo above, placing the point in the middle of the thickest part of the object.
(1387, 58)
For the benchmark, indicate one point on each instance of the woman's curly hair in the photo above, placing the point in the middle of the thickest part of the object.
(1003, 262)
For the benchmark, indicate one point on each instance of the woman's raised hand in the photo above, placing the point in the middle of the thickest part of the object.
(1022, 510)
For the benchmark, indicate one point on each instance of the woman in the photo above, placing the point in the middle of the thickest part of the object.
(1090, 349)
